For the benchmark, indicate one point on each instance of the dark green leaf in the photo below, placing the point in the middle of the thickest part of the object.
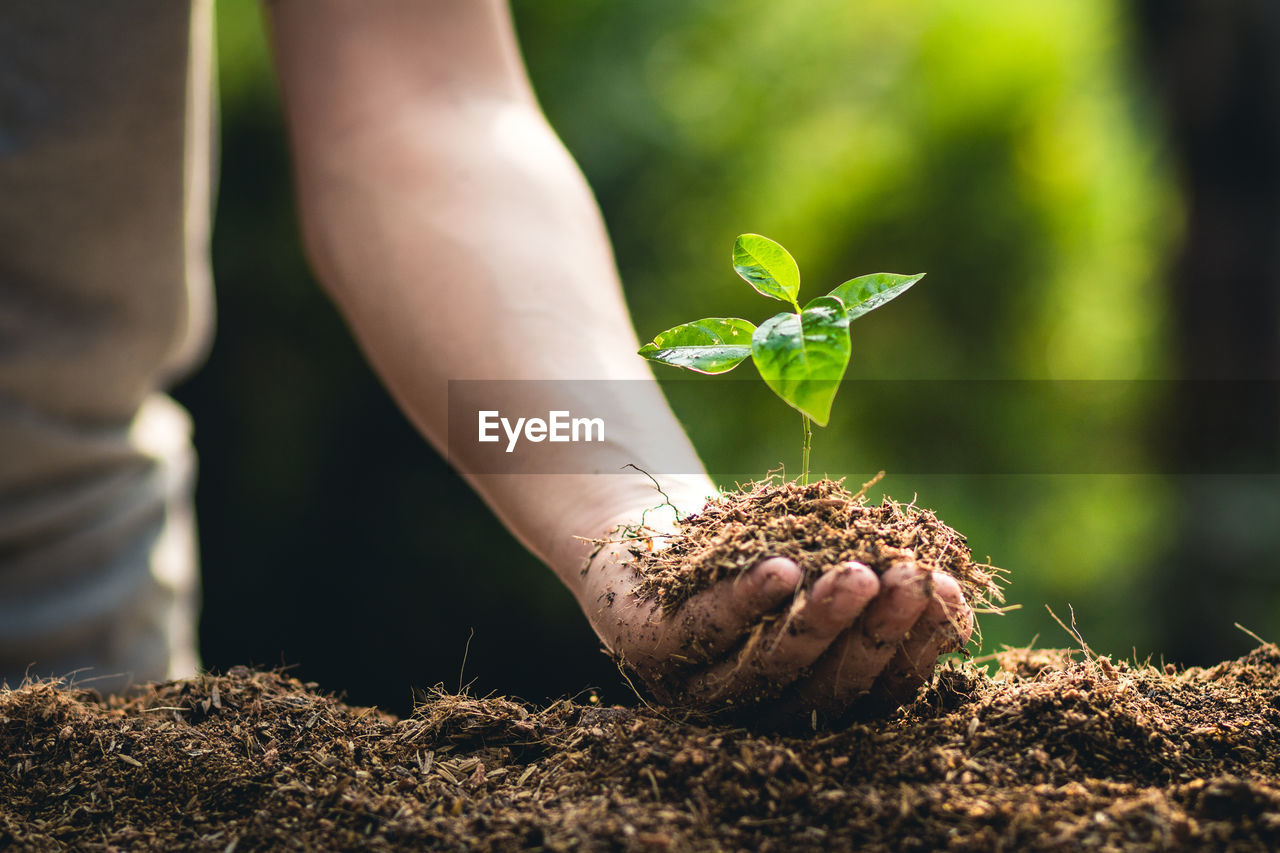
(868, 292)
(713, 345)
(767, 267)
(802, 357)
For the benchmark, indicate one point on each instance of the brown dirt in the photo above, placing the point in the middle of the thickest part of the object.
(819, 526)
(1050, 754)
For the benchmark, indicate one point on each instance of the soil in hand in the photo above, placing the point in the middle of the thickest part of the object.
(819, 526)
(1050, 754)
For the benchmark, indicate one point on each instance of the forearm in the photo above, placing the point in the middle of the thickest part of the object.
(461, 242)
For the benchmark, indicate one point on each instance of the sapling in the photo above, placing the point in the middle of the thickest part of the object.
(801, 354)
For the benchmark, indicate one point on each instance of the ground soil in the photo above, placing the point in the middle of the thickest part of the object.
(1050, 754)
(819, 525)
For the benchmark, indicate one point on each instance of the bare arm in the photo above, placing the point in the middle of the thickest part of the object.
(459, 238)
(461, 242)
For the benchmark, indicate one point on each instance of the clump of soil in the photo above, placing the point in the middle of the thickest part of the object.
(1050, 754)
(819, 526)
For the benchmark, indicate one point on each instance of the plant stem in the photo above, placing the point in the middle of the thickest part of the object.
(804, 453)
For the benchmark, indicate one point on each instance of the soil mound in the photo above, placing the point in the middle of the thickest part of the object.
(1051, 753)
(819, 526)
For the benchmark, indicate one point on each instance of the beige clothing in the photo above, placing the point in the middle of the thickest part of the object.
(105, 137)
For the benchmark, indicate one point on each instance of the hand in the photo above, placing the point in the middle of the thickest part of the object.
(852, 640)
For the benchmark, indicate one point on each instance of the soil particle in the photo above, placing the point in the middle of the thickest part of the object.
(1051, 753)
(819, 526)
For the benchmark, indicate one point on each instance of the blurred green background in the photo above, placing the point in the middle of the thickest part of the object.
(1018, 152)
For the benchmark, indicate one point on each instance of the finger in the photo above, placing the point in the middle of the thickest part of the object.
(774, 657)
(945, 625)
(716, 619)
(854, 661)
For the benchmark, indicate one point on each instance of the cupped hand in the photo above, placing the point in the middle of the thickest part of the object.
(758, 642)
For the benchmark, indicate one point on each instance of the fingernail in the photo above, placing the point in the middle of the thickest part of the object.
(773, 582)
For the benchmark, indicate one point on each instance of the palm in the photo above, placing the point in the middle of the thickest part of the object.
(853, 638)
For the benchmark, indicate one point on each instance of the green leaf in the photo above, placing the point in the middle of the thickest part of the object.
(868, 292)
(767, 267)
(713, 345)
(802, 357)
(819, 301)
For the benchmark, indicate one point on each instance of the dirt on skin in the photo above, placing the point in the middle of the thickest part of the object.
(1050, 754)
(819, 526)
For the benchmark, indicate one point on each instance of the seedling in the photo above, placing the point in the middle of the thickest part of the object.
(801, 355)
